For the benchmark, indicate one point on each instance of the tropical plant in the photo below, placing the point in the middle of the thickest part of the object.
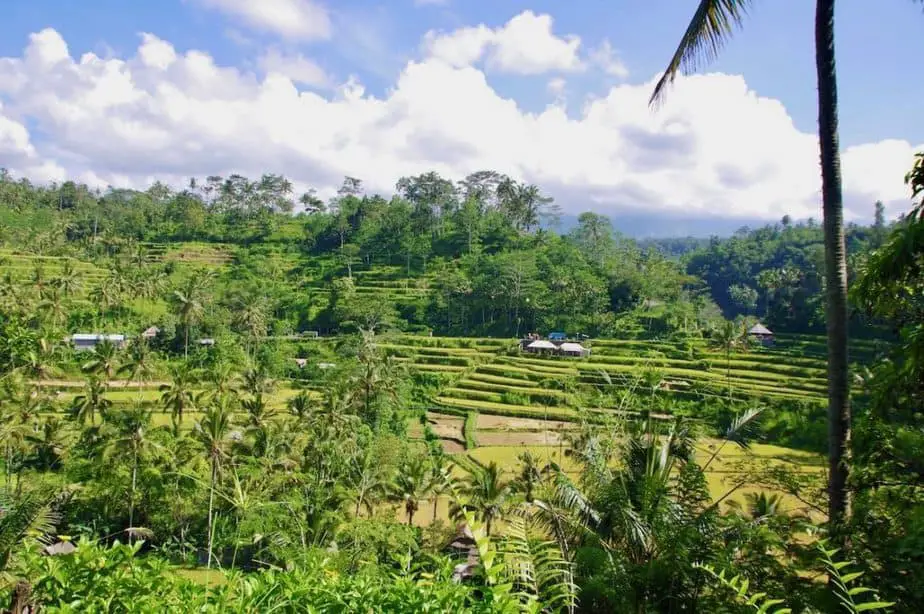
(712, 23)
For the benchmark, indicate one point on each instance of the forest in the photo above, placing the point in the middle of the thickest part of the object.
(280, 403)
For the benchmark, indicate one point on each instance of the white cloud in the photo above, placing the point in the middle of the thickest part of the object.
(556, 86)
(524, 45)
(293, 19)
(605, 57)
(296, 67)
(715, 147)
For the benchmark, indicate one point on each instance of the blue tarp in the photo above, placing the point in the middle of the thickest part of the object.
(557, 336)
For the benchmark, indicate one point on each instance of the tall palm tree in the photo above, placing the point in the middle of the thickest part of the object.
(368, 481)
(140, 364)
(52, 305)
(411, 484)
(91, 402)
(727, 337)
(188, 303)
(486, 492)
(103, 360)
(131, 439)
(212, 434)
(301, 407)
(178, 396)
(69, 279)
(713, 22)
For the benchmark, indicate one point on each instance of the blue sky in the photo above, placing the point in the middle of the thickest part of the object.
(877, 49)
(374, 42)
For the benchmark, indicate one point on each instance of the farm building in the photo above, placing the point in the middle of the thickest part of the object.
(541, 346)
(761, 333)
(573, 349)
(89, 341)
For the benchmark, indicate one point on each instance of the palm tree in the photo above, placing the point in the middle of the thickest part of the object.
(40, 360)
(49, 444)
(759, 505)
(727, 337)
(368, 480)
(131, 430)
(486, 492)
(188, 304)
(411, 484)
(712, 23)
(52, 305)
(212, 432)
(178, 396)
(68, 280)
(92, 402)
(102, 360)
(301, 406)
(140, 364)
(529, 476)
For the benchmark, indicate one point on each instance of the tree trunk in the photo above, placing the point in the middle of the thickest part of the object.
(186, 343)
(131, 499)
(208, 564)
(835, 268)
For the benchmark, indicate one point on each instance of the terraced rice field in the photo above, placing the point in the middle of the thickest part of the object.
(490, 376)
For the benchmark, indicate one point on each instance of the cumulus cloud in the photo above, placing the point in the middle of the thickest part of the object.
(525, 45)
(294, 19)
(715, 148)
(296, 67)
(605, 57)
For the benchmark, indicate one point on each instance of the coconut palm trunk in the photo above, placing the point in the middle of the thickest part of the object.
(835, 267)
(714, 22)
(208, 564)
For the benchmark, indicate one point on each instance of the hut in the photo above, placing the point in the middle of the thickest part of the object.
(301, 362)
(761, 333)
(208, 341)
(541, 345)
(151, 332)
(574, 349)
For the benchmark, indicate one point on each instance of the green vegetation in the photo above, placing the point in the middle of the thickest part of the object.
(321, 399)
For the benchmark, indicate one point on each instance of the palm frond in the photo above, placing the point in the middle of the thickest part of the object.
(32, 514)
(740, 428)
(712, 24)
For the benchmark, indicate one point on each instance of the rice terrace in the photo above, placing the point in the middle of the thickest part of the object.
(442, 306)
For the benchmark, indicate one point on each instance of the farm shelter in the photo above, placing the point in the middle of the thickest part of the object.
(88, 341)
(573, 349)
(541, 346)
(761, 333)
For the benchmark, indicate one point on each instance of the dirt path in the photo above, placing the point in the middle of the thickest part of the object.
(64, 383)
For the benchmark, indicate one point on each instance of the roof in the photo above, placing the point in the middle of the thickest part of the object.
(151, 332)
(301, 362)
(572, 347)
(541, 344)
(96, 337)
(207, 341)
(759, 329)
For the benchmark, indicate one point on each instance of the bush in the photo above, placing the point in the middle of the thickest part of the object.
(469, 428)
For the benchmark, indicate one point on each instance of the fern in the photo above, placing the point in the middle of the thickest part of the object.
(537, 568)
(739, 586)
(842, 581)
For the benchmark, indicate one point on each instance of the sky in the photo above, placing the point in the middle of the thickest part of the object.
(121, 94)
